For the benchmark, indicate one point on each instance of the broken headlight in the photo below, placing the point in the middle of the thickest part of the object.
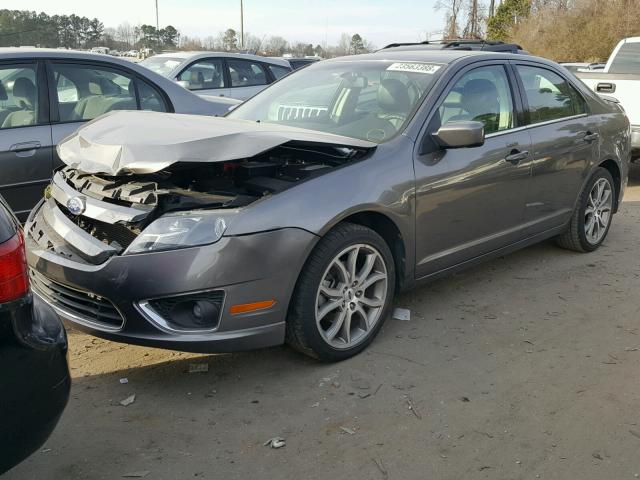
(181, 230)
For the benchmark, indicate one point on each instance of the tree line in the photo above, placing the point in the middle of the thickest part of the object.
(29, 28)
(567, 30)
(562, 30)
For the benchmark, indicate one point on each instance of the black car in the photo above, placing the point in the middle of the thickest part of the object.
(34, 378)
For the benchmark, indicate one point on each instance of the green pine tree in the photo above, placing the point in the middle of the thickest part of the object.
(507, 15)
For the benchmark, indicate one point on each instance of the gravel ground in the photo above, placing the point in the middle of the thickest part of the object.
(525, 367)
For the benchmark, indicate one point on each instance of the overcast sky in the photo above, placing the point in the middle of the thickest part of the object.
(380, 21)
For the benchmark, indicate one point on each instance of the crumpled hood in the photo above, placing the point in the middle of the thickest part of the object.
(146, 142)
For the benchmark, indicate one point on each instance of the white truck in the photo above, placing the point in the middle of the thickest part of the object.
(621, 79)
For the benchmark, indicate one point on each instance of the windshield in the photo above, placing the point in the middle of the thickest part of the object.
(627, 59)
(162, 65)
(369, 100)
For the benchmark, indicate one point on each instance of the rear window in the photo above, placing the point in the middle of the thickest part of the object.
(627, 60)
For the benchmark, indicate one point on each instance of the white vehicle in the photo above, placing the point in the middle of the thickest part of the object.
(235, 75)
(103, 50)
(621, 79)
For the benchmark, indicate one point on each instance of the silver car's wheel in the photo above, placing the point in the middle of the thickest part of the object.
(597, 214)
(351, 296)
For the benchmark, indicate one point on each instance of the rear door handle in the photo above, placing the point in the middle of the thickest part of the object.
(25, 149)
(590, 137)
(516, 156)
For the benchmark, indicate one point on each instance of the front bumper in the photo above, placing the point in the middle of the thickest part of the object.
(248, 268)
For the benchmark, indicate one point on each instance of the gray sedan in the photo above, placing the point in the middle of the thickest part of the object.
(47, 94)
(298, 216)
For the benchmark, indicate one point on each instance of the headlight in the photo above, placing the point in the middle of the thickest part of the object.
(181, 230)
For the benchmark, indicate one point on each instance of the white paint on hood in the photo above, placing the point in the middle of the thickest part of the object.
(146, 142)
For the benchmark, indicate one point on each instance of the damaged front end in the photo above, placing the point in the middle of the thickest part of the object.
(113, 199)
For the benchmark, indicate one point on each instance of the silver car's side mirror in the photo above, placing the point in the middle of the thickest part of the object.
(460, 134)
(183, 83)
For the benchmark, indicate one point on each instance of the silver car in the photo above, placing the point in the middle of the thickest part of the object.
(298, 216)
(219, 74)
(46, 94)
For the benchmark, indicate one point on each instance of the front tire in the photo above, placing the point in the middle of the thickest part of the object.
(592, 218)
(343, 295)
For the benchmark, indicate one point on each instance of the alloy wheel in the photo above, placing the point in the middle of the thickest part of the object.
(597, 213)
(351, 296)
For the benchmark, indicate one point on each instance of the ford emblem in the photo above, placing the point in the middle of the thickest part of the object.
(76, 205)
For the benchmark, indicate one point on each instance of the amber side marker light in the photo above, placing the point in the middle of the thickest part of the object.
(251, 307)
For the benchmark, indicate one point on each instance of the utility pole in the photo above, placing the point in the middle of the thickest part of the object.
(157, 24)
(241, 26)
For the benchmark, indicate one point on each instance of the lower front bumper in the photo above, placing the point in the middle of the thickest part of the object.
(249, 268)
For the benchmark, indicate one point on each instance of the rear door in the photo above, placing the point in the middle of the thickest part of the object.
(246, 78)
(565, 142)
(25, 135)
(470, 201)
(206, 77)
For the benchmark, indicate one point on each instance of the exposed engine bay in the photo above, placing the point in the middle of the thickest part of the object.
(183, 186)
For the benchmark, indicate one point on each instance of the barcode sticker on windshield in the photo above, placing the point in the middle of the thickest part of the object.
(428, 68)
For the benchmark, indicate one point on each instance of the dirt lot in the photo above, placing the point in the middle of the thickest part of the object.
(526, 367)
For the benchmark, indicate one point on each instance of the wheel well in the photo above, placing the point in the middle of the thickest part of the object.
(387, 229)
(614, 170)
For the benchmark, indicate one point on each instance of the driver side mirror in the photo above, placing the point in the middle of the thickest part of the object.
(183, 83)
(461, 134)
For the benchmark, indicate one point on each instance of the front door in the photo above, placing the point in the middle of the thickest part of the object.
(471, 201)
(25, 137)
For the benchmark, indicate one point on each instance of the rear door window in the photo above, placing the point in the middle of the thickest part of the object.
(150, 98)
(549, 96)
(18, 96)
(244, 73)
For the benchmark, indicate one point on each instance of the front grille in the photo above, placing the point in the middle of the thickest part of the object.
(84, 305)
(103, 231)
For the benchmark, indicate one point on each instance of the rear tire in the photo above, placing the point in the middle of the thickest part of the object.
(592, 217)
(343, 295)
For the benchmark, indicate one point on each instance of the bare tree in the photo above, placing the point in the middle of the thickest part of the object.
(125, 32)
(452, 8)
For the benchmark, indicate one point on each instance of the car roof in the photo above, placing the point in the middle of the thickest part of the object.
(426, 55)
(204, 54)
(32, 52)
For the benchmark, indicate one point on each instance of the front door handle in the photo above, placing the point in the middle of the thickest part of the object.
(25, 149)
(590, 137)
(516, 156)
